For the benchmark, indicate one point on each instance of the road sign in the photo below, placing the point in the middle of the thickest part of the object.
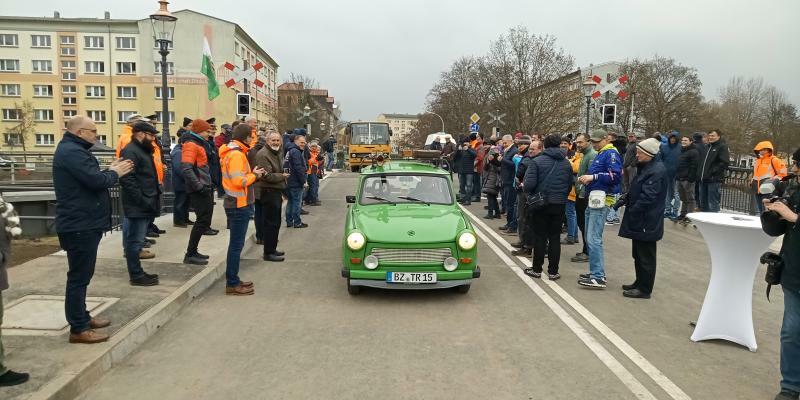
(613, 87)
(474, 127)
(474, 118)
(497, 119)
(305, 114)
(238, 74)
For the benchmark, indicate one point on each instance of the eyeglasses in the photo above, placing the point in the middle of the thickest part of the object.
(90, 130)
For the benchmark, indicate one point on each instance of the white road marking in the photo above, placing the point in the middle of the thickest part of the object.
(605, 357)
(648, 368)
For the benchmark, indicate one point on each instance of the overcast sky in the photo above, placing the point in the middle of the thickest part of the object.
(383, 56)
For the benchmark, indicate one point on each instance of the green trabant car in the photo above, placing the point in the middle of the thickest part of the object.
(404, 230)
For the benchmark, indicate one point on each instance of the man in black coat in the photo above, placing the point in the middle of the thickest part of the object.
(714, 162)
(686, 176)
(509, 194)
(643, 221)
(466, 168)
(83, 213)
(551, 175)
(140, 200)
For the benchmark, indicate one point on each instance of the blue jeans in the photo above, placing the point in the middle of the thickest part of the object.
(790, 340)
(81, 248)
(180, 207)
(331, 159)
(133, 234)
(510, 201)
(595, 223)
(476, 187)
(295, 197)
(312, 196)
(239, 220)
(465, 186)
(709, 196)
(612, 213)
(572, 221)
(672, 202)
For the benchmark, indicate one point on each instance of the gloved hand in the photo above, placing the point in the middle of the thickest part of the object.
(620, 202)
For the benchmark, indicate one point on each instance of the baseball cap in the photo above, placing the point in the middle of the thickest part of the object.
(598, 135)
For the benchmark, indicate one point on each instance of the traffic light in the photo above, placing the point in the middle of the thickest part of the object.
(609, 113)
(243, 104)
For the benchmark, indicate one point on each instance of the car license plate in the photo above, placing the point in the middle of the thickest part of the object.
(411, 277)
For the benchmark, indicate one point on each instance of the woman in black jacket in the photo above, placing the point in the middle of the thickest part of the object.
(551, 175)
(491, 183)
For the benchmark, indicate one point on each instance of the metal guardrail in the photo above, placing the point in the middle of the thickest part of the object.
(737, 191)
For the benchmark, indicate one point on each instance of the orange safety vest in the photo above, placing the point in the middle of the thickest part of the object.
(124, 138)
(313, 163)
(158, 162)
(237, 177)
(576, 163)
(767, 167)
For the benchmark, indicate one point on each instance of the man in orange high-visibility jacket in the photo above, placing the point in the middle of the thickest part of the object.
(237, 179)
(767, 167)
(313, 165)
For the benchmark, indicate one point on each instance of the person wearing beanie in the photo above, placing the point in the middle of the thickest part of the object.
(643, 221)
(196, 174)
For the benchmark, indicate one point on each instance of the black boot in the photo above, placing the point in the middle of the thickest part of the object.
(11, 378)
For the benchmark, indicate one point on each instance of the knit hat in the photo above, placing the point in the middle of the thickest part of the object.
(200, 125)
(649, 146)
(524, 139)
(186, 121)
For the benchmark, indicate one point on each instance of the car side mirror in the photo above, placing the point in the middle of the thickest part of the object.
(350, 199)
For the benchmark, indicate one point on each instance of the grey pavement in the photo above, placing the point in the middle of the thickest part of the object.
(301, 336)
(52, 362)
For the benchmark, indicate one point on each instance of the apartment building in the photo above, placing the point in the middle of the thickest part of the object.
(401, 125)
(110, 69)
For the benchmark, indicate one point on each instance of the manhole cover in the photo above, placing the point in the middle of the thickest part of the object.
(43, 315)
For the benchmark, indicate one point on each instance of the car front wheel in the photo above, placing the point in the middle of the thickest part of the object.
(352, 289)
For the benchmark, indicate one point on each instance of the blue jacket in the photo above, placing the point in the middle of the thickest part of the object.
(557, 186)
(669, 154)
(507, 167)
(296, 163)
(644, 204)
(178, 184)
(607, 171)
(82, 199)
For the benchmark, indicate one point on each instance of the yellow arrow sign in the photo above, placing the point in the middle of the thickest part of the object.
(475, 118)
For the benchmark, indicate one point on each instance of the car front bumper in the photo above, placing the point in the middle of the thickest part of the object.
(444, 279)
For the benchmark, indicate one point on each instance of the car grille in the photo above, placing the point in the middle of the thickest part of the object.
(411, 256)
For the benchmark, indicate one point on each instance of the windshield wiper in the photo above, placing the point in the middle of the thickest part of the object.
(409, 198)
(379, 199)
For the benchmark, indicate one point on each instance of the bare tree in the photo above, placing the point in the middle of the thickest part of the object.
(26, 125)
(667, 95)
(780, 121)
(739, 111)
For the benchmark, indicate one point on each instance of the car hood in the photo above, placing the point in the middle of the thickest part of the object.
(409, 223)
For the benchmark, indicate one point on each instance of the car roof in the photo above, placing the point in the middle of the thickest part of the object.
(403, 167)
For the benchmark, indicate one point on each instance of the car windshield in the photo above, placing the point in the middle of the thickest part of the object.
(429, 189)
(370, 134)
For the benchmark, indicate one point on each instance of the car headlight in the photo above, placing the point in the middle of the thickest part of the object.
(356, 240)
(467, 241)
(450, 264)
(371, 262)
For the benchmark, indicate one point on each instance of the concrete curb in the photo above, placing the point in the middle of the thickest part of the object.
(72, 382)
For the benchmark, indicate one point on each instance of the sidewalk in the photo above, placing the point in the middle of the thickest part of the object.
(60, 370)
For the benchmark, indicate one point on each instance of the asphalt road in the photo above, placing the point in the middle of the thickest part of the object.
(301, 336)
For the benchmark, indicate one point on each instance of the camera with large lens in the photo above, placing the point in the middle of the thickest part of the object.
(775, 190)
(775, 264)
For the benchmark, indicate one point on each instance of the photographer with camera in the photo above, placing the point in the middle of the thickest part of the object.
(780, 218)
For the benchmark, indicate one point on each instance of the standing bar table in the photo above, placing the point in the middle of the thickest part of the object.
(735, 243)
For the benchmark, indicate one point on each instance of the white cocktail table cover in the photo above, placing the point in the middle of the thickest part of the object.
(735, 243)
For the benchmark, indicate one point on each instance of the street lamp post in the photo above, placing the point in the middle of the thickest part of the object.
(163, 30)
(588, 88)
(440, 118)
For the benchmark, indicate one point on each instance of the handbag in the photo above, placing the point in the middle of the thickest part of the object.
(537, 200)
